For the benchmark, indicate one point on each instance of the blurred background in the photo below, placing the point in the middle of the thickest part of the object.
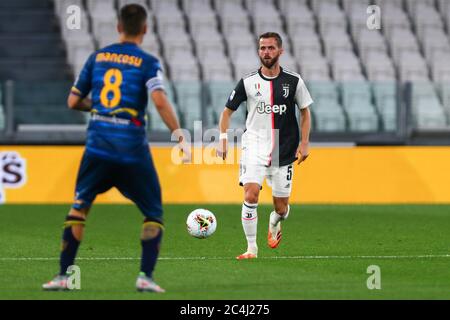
(353, 203)
(388, 86)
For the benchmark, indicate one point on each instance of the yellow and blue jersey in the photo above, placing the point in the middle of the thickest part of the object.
(119, 78)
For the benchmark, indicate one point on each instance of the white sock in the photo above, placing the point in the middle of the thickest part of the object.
(275, 217)
(250, 223)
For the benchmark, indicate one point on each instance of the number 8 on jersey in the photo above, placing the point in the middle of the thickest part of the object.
(113, 87)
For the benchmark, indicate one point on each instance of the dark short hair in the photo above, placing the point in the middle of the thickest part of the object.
(272, 35)
(133, 17)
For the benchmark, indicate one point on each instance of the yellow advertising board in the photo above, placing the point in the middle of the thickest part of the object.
(47, 174)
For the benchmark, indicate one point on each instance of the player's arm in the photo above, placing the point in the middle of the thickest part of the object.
(303, 100)
(155, 86)
(166, 111)
(76, 102)
(224, 124)
(168, 115)
(234, 101)
(305, 127)
(77, 99)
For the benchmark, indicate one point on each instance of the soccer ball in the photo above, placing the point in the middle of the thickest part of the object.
(201, 223)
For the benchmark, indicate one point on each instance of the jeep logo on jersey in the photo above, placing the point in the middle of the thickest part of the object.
(12, 172)
(267, 108)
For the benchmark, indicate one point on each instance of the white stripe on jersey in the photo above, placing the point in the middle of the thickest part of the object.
(292, 73)
(257, 139)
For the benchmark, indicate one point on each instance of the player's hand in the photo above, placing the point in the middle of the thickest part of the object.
(222, 147)
(186, 151)
(302, 152)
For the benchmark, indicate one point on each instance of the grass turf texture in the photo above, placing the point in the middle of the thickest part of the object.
(316, 231)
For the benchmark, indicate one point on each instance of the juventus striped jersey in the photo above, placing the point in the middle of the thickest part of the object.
(272, 131)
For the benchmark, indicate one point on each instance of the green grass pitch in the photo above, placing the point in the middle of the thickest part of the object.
(324, 254)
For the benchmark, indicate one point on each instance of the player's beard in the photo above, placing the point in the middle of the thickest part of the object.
(269, 63)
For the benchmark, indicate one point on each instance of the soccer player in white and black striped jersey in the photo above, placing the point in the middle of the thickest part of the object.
(271, 142)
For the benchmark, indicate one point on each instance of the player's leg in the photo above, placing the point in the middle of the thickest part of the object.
(72, 235)
(73, 231)
(139, 182)
(249, 217)
(151, 236)
(281, 190)
(251, 177)
(281, 212)
(92, 180)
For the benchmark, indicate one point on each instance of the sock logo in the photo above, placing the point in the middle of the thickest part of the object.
(249, 214)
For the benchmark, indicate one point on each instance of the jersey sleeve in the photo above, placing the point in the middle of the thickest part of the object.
(83, 84)
(302, 97)
(237, 96)
(154, 77)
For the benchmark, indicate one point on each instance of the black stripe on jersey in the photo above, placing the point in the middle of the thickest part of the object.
(284, 89)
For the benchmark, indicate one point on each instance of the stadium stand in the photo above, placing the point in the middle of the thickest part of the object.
(32, 52)
(2, 112)
(28, 30)
(356, 76)
(329, 113)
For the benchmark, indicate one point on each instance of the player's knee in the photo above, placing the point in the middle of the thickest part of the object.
(251, 197)
(252, 194)
(76, 225)
(151, 230)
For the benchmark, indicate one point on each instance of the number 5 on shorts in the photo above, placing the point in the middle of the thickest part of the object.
(289, 173)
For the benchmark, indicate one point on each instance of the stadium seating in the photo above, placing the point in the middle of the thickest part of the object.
(298, 16)
(232, 16)
(28, 29)
(79, 42)
(356, 98)
(33, 55)
(385, 94)
(206, 46)
(44, 108)
(444, 91)
(218, 93)
(189, 99)
(2, 113)
(427, 108)
(329, 115)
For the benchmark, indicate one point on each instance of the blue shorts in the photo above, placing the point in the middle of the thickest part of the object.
(138, 181)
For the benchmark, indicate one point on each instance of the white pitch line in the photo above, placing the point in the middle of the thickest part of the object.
(429, 256)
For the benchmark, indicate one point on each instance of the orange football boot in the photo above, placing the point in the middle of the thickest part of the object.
(247, 255)
(274, 242)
